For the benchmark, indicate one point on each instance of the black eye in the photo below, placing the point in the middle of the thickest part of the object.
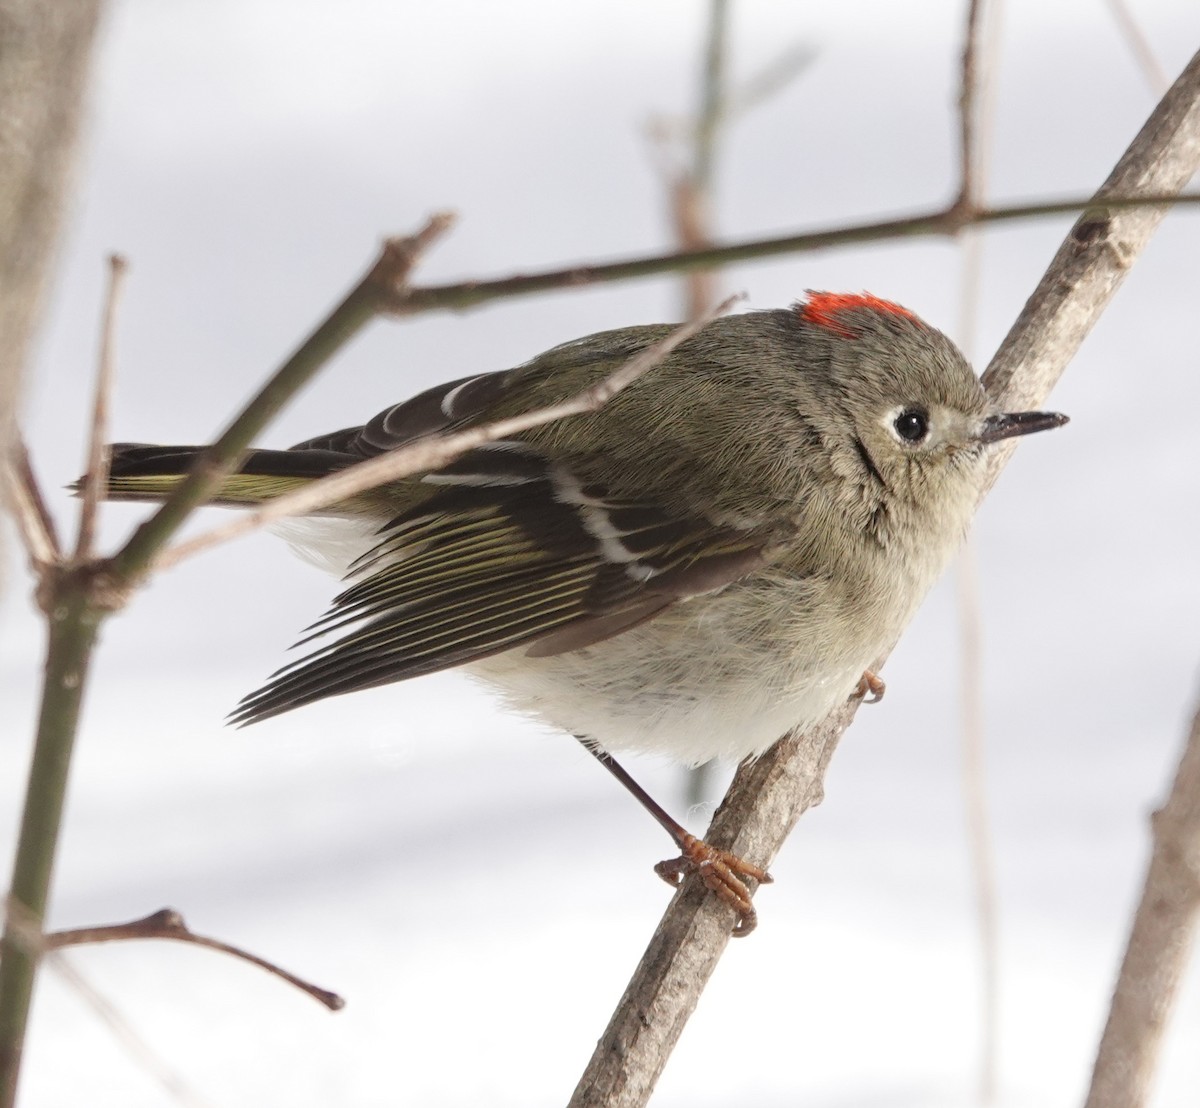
(912, 425)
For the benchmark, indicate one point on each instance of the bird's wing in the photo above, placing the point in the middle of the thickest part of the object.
(440, 408)
(471, 400)
(511, 548)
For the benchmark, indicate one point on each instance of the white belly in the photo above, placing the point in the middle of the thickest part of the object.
(685, 685)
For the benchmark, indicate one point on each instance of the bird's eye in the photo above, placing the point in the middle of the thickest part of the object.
(912, 425)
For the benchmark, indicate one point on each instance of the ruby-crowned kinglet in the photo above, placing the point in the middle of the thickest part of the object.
(714, 558)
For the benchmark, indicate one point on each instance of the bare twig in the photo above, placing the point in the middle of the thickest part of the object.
(938, 221)
(96, 479)
(23, 929)
(139, 1050)
(769, 81)
(1140, 47)
(975, 126)
(167, 923)
(692, 190)
(45, 58)
(384, 289)
(1160, 942)
(769, 795)
(76, 599)
(978, 824)
(24, 497)
(435, 451)
(969, 188)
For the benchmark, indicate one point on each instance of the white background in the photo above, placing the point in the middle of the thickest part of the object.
(477, 889)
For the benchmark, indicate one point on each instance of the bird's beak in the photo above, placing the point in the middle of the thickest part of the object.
(1008, 425)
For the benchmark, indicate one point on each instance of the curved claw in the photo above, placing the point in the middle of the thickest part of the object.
(721, 873)
(870, 688)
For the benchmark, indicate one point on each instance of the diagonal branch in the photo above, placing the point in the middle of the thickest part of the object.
(436, 451)
(382, 289)
(768, 796)
(23, 496)
(1160, 942)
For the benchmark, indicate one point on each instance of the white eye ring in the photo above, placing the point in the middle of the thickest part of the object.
(910, 425)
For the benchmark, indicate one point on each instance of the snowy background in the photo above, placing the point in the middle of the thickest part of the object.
(477, 889)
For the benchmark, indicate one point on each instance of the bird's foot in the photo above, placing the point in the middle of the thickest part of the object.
(870, 688)
(722, 873)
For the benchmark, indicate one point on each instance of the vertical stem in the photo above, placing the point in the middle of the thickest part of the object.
(73, 625)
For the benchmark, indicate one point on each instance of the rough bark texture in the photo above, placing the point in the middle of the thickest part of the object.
(767, 798)
(1160, 944)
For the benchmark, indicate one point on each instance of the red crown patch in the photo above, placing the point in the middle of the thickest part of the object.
(823, 308)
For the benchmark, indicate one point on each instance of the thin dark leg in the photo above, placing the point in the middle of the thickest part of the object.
(673, 828)
(720, 871)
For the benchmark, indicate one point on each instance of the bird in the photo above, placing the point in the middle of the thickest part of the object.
(716, 557)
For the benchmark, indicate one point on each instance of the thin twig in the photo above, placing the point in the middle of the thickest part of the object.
(383, 289)
(768, 796)
(1160, 942)
(692, 190)
(692, 208)
(769, 81)
(978, 823)
(23, 930)
(969, 187)
(122, 1030)
(167, 923)
(435, 451)
(938, 221)
(96, 479)
(24, 496)
(1139, 45)
(976, 117)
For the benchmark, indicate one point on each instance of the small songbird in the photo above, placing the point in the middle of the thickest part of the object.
(717, 556)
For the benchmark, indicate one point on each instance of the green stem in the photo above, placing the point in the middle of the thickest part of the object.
(74, 623)
(359, 308)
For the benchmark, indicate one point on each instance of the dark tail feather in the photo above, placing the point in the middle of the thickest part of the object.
(139, 471)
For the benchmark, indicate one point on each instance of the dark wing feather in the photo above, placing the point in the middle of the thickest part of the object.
(510, 549)
(441, 408)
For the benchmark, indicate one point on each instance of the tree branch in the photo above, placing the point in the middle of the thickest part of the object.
(938, 221)
(45, 58)
(1160, 941)
(435, 451)
(383, 289)
(768, 796)
(23, 496)
(97, 455)
(167, 923)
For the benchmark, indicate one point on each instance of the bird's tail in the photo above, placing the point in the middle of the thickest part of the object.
(142, 472)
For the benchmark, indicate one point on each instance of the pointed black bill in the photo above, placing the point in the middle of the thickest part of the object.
(1010, 424)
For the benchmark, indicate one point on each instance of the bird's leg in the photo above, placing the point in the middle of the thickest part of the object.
(872, 684)
(720, 871)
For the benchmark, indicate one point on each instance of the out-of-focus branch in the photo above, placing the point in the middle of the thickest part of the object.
(1139, 45)
(45, 52)
(969, 187)
(23, 496)
(97, 455)
(975, 106)
(768, 796)
(1160, 942)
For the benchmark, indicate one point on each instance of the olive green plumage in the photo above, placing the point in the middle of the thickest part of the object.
(714, 556)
